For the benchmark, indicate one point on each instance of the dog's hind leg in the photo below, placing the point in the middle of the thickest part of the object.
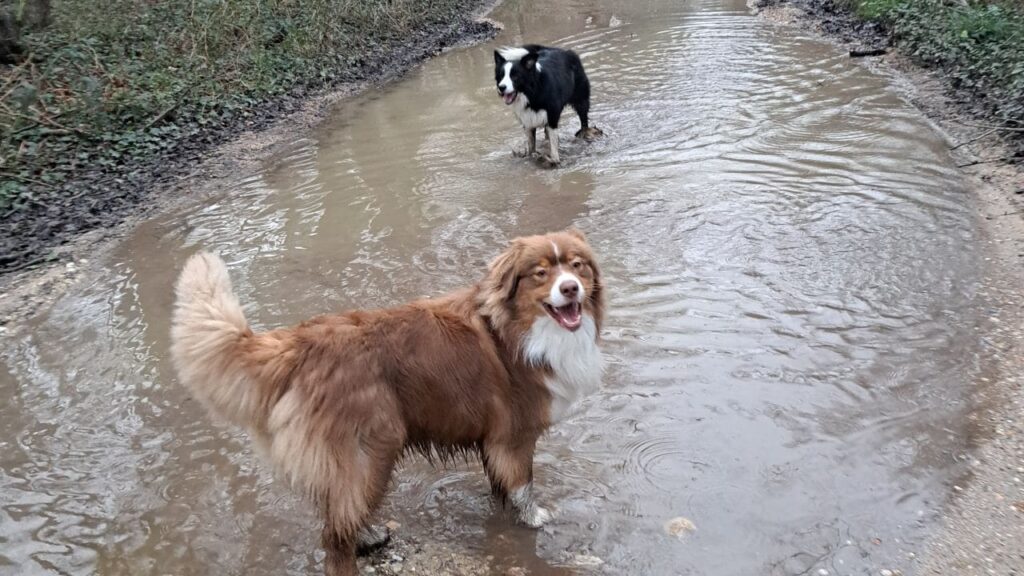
(354, 493)
(582, 108)
(581, 104)
(510, 470)
(357, 450)
(341, 552)
(586, 131)
(371, 538)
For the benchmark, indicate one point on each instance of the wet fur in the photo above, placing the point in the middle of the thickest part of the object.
(334, 402)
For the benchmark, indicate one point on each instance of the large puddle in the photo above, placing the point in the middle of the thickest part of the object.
(790, 257)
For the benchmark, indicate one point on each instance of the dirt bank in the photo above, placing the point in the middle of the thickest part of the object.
(47, 249)
(101, 194)
(982, 530)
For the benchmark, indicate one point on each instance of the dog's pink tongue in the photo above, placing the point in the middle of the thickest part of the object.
(568, 316)
(510, 98)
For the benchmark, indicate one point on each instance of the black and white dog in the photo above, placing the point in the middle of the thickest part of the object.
(538, 82)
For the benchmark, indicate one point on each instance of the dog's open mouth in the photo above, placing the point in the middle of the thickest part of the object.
(510, 97)
(568, 316)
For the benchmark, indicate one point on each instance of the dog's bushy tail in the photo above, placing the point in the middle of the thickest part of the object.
(235, 373)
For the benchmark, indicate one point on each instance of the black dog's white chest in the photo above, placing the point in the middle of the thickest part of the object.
(529, 117)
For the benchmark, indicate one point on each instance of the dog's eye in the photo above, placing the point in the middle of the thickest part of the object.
(577, 264)
(541, 273)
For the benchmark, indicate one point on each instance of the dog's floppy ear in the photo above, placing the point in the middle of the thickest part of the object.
(498, 58)
(502, 274)
(530, 61)
(576, 233)
(499, 286)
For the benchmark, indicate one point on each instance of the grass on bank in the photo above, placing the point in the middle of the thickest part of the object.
(979, 44)
(106, 83)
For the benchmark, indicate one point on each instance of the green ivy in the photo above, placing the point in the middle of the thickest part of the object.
(980, 45)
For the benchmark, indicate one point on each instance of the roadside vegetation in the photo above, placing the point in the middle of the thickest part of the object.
(99, 99)
(89, 84)
(979, 44)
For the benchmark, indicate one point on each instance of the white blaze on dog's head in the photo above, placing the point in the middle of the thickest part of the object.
(512, 53)
(505, 85)
(566, 294)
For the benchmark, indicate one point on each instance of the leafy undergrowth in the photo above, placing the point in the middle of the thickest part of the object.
(980, 45)
(103, 85)
(105, 97)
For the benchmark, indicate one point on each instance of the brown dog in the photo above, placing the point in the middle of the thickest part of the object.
(335, 401)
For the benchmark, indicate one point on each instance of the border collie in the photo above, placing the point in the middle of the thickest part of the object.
(334, 402)
(539, 82)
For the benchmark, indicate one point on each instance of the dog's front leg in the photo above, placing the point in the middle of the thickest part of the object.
(510, 469)
(527, 510)
(531, 143)
(551, 160)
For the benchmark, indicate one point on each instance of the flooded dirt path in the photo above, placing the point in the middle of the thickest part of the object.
(791, 258)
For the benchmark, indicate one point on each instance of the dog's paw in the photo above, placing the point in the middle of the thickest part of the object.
(535, 516)
(372, 538)
(591, 133)
(525, 153)
(546, 161)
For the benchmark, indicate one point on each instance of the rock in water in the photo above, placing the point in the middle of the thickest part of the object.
(587, 561)
(680, 527)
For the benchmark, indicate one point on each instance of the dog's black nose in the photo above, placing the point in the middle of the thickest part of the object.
(569, 288)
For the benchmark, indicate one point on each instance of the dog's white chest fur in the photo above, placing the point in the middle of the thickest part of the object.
(574, 358)
(529, 117)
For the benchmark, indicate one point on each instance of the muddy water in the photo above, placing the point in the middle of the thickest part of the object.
(790, 257)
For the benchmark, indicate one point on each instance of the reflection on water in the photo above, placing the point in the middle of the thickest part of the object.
(790, 257)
